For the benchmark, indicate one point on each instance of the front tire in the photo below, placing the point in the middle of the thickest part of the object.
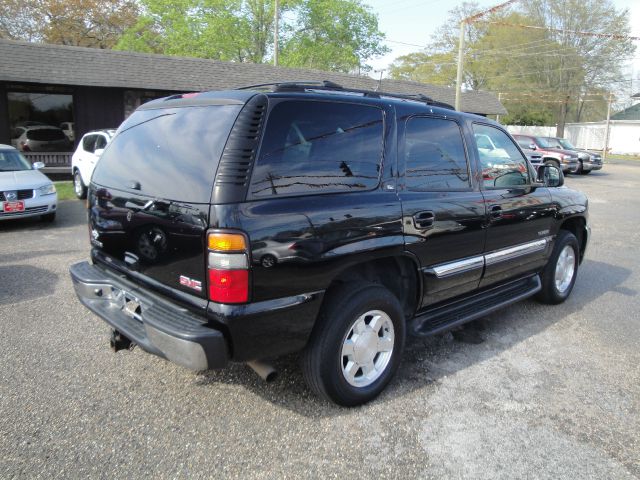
(559, 275)
(48, 217)
(357, 343)
(78, 186)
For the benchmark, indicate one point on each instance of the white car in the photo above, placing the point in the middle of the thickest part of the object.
(84, 159)
(24, 191)
(40, 138)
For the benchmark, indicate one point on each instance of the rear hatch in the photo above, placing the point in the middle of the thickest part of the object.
(151, 189)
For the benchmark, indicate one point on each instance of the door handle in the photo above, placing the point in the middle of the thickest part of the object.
(495, 212)
(423, 220)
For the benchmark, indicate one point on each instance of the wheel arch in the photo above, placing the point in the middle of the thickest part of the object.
(576, 225)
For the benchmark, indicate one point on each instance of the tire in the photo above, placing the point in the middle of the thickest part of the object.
(49, 217)
(78, 186)
(268, 261)
(565, 256)
(349, 312)
(585, 172)
(580, 168)
(553, 163)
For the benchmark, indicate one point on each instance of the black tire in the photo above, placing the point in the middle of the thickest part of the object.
(78, 186)
(323, 360)
(553, 163)
(580, 168)
(268, 261)
(49, 217)
(550, 292)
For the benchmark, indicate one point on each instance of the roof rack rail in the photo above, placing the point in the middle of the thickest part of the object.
(303, 86)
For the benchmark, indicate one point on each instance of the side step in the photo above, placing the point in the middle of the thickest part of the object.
(438, 319)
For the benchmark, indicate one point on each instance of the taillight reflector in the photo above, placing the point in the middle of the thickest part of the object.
(226, 242)
(228, 286)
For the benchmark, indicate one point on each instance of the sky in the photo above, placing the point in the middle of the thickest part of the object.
(414, 21)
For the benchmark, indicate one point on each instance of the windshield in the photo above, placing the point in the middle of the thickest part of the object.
(566, 144)
(546, 142)
(12, 161)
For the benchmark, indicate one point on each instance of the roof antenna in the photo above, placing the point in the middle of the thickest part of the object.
(380, 79)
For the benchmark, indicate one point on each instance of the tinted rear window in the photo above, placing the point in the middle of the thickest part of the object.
(46, 134)
(318, 147)
(168, 153)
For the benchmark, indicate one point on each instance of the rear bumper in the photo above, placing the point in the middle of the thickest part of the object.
(157, 326)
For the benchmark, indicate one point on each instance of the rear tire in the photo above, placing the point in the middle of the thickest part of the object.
(356, 345)
(78, 186)
(559, 275)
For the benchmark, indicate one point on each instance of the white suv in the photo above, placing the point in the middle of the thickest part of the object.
(86, 156)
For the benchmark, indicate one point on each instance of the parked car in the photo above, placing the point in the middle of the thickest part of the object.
(551, 154)
(589, 161)
(68, 129)
(84, 159)
(24, 191)
(40, 138)
(392, 221)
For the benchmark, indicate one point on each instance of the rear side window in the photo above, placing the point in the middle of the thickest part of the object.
(434, 155)
(46, 134)
(170, 153)
(318, 147)
(88, 143)
(101, 142)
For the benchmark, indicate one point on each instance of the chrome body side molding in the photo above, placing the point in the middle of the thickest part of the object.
(479, 261)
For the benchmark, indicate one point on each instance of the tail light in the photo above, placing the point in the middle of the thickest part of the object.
(228, 267)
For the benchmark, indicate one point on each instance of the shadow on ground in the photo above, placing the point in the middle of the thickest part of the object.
(25, 282)
(425, 358)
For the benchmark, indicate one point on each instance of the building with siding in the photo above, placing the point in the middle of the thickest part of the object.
(94, 89)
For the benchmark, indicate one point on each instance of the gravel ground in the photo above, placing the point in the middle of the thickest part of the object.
(532, 391)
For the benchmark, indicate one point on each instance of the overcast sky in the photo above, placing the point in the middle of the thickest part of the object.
(413, 21)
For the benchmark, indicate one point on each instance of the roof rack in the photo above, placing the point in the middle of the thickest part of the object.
(327, 85)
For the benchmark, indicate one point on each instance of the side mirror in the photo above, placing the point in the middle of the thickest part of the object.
(533, 146)
(550, 175)
(37, 165)
(98, 151)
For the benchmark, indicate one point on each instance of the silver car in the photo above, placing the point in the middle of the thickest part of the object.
(41, 138)
(24, 191)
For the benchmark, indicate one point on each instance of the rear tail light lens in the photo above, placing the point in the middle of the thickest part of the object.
(228, 267)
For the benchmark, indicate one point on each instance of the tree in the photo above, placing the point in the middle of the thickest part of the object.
(87, 23)
(337, 35)
(324, 34)
(548, 73)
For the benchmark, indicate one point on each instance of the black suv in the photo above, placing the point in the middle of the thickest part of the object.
(247, 224)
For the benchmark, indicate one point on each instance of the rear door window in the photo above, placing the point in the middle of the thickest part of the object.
(170, 153)
(314, 147)
(101, 142)
(434, 155)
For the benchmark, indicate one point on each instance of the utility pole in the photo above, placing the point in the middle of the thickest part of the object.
(276, 21)
(463, 23)
(607, 130)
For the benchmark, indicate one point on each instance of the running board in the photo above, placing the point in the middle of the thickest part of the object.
(441, 318)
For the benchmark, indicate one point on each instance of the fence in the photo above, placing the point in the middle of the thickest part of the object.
(55, 163)
(624, 135)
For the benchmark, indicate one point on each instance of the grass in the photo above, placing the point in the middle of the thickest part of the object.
(65, 190)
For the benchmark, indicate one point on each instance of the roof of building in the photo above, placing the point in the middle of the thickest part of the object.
(64, 65)
(631, 113)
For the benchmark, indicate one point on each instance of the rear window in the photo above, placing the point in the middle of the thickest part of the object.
(46, 134)
(319, 147)
(168, 153)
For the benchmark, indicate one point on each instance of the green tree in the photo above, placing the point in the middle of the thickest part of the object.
(337, 35)
(548, 74)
